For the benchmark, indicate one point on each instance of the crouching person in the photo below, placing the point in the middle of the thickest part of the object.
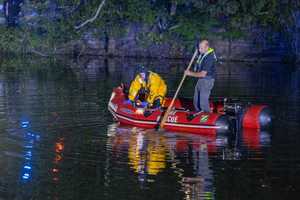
(148, 89)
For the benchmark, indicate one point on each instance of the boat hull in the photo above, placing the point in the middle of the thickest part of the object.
(203, 123)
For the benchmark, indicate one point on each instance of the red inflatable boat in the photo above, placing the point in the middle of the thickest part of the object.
(219, 121)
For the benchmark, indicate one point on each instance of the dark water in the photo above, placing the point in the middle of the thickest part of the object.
(58, 141)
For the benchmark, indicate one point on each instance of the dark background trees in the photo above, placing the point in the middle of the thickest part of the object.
(51, 23)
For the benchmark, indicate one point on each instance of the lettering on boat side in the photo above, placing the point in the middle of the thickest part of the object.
(172, 119)
(203, 118)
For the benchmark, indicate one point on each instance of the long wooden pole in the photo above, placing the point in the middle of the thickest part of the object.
(165, 117)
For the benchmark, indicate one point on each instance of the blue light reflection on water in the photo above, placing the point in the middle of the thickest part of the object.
(30, 138)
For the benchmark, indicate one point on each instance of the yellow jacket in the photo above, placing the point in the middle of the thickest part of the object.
(156, 86)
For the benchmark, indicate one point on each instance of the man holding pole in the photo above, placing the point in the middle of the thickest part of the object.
(204, 70)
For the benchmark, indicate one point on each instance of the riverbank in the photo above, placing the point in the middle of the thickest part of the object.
(236, 51)
(239, 50)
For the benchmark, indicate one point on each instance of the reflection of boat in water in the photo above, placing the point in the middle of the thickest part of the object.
(255, 139)
(146, 152)
(187, 156)
(146, 157)
(250, 116)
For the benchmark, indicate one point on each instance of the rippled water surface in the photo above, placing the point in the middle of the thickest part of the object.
(58, 140)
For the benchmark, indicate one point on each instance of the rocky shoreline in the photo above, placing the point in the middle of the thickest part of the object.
(238, 50)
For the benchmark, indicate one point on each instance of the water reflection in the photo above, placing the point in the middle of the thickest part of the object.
(59, 147)
(30, 140)
(63, 149)
(190, 157)
(146, 152)
(190, 161)
(255, 139)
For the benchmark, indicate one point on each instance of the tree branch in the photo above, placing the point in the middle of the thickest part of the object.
(32, 50)
(93, 18)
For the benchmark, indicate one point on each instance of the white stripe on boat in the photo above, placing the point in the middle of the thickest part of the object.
(169, 124)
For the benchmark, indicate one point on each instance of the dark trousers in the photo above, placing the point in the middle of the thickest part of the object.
(202, 93)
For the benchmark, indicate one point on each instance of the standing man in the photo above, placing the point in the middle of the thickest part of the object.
(204, 70)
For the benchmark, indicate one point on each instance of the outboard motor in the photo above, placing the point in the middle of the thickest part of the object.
(233, 109)
(235, 112)
(249, 116)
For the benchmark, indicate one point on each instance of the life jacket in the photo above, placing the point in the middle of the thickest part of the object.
(154, 84)
(202, 57)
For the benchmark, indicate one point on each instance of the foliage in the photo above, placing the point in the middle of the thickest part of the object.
(182, 21)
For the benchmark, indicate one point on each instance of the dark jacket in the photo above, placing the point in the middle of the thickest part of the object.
(207, 62)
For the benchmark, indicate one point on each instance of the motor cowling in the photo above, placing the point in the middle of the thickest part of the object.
(233, 109)
(250, 116)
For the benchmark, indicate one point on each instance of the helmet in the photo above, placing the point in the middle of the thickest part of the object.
(141, 69)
